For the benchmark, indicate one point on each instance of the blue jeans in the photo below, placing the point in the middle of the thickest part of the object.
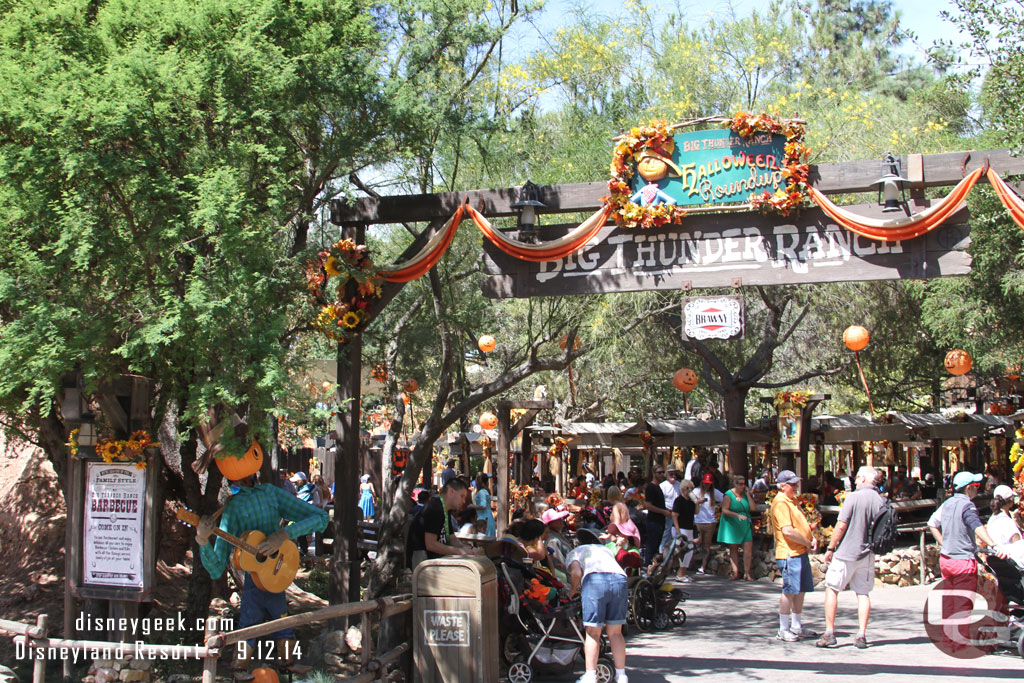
(259, 606)
(796, 575)
(605, 599)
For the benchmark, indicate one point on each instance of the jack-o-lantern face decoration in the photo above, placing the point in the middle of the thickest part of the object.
(958, 362)
(410, 385)
(400, 459)
(685, 379)
(488, 420)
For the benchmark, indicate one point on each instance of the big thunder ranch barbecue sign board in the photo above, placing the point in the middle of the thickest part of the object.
(724, 207)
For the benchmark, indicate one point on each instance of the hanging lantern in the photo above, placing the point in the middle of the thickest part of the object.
(958, 362)
(410, 385)
(565, 340)
(487, 343)
(406, 399)
(488, 420)
(856, 337)
(685, 380)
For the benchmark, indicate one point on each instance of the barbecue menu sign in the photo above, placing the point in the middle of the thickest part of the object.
(114, 515)
(730, 250)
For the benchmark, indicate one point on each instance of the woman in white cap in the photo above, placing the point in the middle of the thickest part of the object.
(1001, 526)
(366, 496)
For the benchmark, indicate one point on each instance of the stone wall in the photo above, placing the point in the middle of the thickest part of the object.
(901, 567)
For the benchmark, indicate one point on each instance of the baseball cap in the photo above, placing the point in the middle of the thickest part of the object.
(787, 477)
(962, 479)
(551, 514)
(1003, 491)
(708, 478)
(297, 477)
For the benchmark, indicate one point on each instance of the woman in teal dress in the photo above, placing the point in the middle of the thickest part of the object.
(482, 502)
(735, 530)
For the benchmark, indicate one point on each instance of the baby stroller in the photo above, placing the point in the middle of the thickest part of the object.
(539, 633)
(653, 602)
(1009, 574)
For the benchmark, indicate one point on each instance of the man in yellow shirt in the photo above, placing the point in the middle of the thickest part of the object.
(793, 539)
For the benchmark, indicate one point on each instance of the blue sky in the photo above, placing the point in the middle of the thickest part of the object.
(920, 16)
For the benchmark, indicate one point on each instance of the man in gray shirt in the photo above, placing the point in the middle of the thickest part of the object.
(851, 563)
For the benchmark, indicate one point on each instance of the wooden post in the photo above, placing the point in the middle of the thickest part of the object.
(209, 663)
(39, 667)
(344, 585)
(526, 458)
(501, 467)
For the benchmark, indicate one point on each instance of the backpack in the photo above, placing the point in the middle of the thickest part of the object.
(884, 529)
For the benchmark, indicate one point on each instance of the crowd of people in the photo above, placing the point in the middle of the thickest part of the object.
(633, 520)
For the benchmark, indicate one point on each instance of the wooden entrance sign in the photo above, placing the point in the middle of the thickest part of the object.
(730, 250)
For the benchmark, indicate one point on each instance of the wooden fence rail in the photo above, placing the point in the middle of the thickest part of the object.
(373, 668)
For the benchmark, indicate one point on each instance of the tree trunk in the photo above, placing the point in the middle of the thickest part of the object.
(203, 502)
(734, 401)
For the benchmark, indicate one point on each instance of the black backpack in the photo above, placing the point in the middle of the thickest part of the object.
(884, 529)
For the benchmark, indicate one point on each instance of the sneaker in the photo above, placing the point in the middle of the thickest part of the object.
(787, 635)
(686, 579)
(622, 679)
(860, 642)
(701, 571)
(827, 640)
(805, 634)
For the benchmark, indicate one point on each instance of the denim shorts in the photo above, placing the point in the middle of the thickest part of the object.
(796, 575)
(605, 599)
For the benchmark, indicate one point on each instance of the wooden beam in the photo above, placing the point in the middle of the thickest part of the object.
(525, 421)
(937, 170)
(528, 405)
(501, 467)
(113, 411)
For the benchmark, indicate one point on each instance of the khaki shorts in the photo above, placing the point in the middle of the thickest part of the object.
(859, 576)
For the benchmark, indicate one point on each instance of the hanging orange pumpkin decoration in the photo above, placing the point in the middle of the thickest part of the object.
(406, 399)
(958, 362)
(565, 340)
(380, 372)
(400, 459)
(488, 420)
(856, 337)
(685, 380)
(410, 385)
(487, 343)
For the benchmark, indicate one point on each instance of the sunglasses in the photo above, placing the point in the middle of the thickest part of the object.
(659, 471)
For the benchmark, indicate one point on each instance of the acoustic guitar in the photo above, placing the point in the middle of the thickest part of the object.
(273, 573)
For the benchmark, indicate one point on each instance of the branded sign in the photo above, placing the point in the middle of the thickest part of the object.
(730, 250)
(717, 167)
(446, 628)
(713, 318)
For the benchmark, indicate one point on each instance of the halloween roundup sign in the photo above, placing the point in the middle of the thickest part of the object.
(711, 167)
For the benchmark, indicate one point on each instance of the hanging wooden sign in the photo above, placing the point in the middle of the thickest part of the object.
(712, 167)
(730, 250)
(719, 317)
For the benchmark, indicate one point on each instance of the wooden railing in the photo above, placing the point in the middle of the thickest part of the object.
(372, 668)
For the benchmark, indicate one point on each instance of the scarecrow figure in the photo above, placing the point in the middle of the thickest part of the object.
(653, 166)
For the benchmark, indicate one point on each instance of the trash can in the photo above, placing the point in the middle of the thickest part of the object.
(455, 610)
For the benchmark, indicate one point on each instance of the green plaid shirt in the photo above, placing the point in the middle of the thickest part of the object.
(261, 508)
